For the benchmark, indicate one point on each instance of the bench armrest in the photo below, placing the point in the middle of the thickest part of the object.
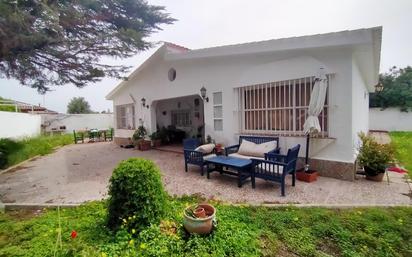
(275, 151)
(231, 149)
(193, 156)
(275, 157)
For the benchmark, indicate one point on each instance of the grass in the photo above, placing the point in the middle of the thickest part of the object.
(241, 231)
(16, 151)
(403, 144)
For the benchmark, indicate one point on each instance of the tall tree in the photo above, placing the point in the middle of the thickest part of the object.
(78, 105)
(397, 89)
(56, 42)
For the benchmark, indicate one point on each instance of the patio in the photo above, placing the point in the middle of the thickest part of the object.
(78, 173)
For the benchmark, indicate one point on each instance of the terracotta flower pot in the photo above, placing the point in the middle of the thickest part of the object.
(373, 175)
(376, 178)
(200, 212)
(157, 142)
(145, 145)
(201, 226)
(308, 177)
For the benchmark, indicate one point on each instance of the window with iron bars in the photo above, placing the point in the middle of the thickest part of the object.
(279, 108)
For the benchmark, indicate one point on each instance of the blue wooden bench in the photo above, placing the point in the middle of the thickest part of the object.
(193, 157)
(276, 167)
(256, 140)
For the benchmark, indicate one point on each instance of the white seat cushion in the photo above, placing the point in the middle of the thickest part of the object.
(258, 150)
(206, 149)
(237, 155)
(205, 157)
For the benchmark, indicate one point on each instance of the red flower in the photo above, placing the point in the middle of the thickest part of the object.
(73, 234)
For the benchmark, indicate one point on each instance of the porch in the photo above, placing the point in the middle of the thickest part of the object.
(178, 118)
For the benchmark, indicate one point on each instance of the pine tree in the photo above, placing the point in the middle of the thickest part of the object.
(56, 42)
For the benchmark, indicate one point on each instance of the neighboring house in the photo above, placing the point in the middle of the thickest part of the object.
(18, 106)
(61, 122)
(259, 88)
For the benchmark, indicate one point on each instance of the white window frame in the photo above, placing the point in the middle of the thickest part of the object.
(180, 119)
(127, 118)
(217, 105)
(260, 117)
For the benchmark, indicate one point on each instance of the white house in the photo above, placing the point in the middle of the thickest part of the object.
(258, 88)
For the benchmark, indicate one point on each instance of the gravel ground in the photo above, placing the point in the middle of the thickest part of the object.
(79, 173)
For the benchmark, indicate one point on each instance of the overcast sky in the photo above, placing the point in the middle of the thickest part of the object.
(219, 22)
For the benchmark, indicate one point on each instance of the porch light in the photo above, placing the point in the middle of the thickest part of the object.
(144, 103)
(379, 88)
(203, 94)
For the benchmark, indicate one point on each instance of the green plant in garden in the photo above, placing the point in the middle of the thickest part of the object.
(373, 155)
(136, 195)
(241, 231)
(402, 140)
(7, 107)
(140, 133)
(16, 151)
(155, 135)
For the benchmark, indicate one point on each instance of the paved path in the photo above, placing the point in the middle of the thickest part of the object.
(79, 173)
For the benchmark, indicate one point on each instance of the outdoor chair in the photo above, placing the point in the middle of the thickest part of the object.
(78, 137)
(108, 134)
(276, 167)
(255, 139)
(192, 156)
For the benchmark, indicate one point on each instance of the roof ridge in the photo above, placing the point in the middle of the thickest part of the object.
(176, 46)
(283, 38)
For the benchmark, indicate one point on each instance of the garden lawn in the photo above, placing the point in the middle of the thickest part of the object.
(241, 231)
(16, 151)
(403, 144)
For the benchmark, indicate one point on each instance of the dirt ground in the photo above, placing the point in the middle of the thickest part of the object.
(79, 173)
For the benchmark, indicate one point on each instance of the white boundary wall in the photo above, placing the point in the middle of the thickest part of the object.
(18, 125)
(390, 119)
(77, 121)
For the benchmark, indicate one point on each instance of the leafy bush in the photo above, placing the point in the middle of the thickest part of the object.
(136, 195)
(374, 156)
(16, 151)
(140, 133)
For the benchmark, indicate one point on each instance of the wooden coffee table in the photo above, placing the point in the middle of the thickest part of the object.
(241, 167)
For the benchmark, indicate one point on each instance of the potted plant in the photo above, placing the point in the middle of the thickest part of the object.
(156, 140)
(219, 149)
(163, 135)
(209, 139)
(374, 157)
(306, 174)
(139, 139)
(199, 219)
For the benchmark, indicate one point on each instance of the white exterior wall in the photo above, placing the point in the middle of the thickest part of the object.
(78, 121)
(360, 105)
(390, 119)
(18, 125)
(225, 74)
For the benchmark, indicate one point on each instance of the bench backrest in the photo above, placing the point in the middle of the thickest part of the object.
(191, 143)
(292, 157)
(259, 139)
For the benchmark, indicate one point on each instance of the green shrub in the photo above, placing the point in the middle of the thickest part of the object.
(373, 155)
(139, 133)
(136, 195)
(16, 151)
